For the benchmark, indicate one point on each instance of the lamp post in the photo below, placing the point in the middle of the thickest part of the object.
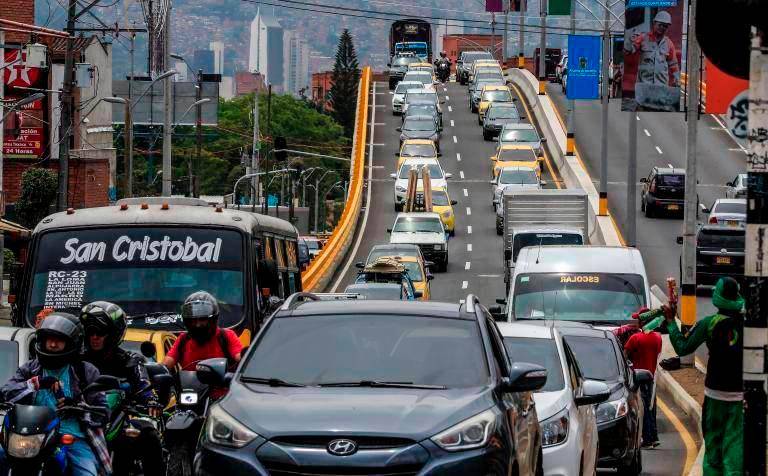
(128, 141)
(335, 185)
(199, 111)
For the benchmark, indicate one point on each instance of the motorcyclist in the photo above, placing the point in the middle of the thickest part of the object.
(56, 377)
(443, 61)
(204, 339)
(105, 324)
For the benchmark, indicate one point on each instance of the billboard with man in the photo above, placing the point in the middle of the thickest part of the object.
(652, 56)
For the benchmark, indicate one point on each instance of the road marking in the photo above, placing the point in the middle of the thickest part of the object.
(378, 145)
(464, 284)
(719, 121)
(670, 166)
(469, 246)
(469, 230)
(467, 265)
(658, 149)
(458, 156)
(690, 445)
(380, 124)
(488, 275)
(737, 149)
(466, 192)
(469, 211)
(461, 174)
(378, 166)
(377, 105)
(450, 109)
(447, 98)
(455, 140)
(638, 117)
(452, 124)
(361, 232)
(647, 133)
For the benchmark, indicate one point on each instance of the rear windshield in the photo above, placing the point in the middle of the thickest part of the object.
(411, 124)
(377, 253)
(596, 357)
(434, 170)
(539, 352)
(518, 176)
(421, 96)
(520, 155)
(503, 113)
(440, 198)
(522, 240)
(730, 238)
(418, 150)
(731, 207)
(414, 270)
(497, 96)
(402, 88)
(423, 78)
(671, 180)
(519, 135)
(418, 225)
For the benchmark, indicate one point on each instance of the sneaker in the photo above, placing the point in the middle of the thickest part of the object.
(655, 444)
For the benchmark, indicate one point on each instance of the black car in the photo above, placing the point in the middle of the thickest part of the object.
(497, 115)
(399, 66)
(465, 61)
(663, 191)
(719, 252)
(365, 387)
(619, 420)
(420, 127)
(420, 107)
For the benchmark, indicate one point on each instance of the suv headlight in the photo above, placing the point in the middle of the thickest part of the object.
(24, 446)
(222, 429)
(438, 247)
(554, 430)
(472, 433)
(612, 410)
(399, 188)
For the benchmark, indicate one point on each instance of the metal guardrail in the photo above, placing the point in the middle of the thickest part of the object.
(322, 268)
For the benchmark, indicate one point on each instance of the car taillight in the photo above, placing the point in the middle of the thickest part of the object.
(713, 220)
(652, 188)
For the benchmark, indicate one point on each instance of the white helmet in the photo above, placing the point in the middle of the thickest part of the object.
(663, 17)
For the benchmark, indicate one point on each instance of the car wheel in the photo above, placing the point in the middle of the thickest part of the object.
(634, 467)
(649, 212)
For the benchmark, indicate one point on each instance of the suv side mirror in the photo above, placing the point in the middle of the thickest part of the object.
(679, 240)
(640, 377)
(397, 154)
(497, 312)
(525, 377)
(213, 372)
(592, 393)
(389, 230)
(399, 129)
(730, 184)
(448, 175)
(359, 265)
(430, 276)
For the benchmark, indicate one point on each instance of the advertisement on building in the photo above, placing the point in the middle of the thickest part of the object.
(583, 67)
(24, 128)
(727, 95)
(653, 41)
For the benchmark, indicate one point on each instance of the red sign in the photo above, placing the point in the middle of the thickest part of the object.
(494, 6)
(722, 88)
(17, 73)
(28, 142)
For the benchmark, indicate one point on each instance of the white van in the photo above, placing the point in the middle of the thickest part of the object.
(600, 285)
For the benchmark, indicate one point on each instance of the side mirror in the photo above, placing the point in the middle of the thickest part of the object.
(389, 230)
(389, 65)
(442, 102)
(448, 175)
(644, 180)
(703, 208)
(497, 312)
(399, 129)
(640, 377)
(418, 294)
(525, 377)
(730, 184)
(543, 140)
(679, 240)
(523, 118)
(148, 349)
(454, 202)
(592, 393)
(430, 276)
(359, 265)
(440, 154)
(514, 99)
(492, 182)
(103, 383)
(163, 383)
(501, 301)
(394, 176)
(213, 372)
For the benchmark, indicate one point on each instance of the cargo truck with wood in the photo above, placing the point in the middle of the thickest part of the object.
(411, 35)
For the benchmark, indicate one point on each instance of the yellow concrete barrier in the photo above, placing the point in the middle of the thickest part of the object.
(321, 270)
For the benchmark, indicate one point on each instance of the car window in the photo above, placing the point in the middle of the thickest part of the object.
(418, 124)
(503, 113)
(540, 352)
(669, 180)
(414, 224)
(730, 207)
(414, 270)
(322, 349)
(517, 154)
(500, 356)
(518, 176)
(595, 356)
(440, 198)
(497, 96)
(519, 135)
(418, 150)
(9, 359)
(435, 172)
(732, 239)
(405, 60)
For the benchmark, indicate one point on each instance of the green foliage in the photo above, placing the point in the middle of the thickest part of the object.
(38, 192)
(344, 83)
(9, 258)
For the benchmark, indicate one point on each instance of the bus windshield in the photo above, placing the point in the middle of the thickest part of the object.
(148, 271)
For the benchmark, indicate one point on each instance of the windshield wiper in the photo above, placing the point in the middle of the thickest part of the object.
(381, 384)
(271, 381)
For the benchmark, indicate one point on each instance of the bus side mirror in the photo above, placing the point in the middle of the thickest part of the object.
(148, 349)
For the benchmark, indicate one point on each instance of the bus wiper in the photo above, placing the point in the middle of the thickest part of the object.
(271, 381)
(382, 384)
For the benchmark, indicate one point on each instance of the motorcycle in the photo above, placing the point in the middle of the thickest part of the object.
(443, 71)
(31, 439)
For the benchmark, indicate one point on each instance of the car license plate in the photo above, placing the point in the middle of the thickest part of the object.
(723, 260)
(673, 207)
(733, 223)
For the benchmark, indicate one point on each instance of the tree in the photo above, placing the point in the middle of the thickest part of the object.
(346, 77)
(38, 193)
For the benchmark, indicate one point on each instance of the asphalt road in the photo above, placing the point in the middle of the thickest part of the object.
(660, 141)
(475, 253)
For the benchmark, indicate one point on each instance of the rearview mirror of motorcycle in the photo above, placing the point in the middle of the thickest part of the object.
(212, 372)
(148, 349)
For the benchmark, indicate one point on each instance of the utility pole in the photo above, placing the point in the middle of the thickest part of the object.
(2, 139)
(65, 123)
(506, 21)
(570, 137)
(198, 133)
(168, 108)
(603, 203)
(521, 41)
(631, 226)
(493, 34)
(543, 49)
(255, 150)
(688, 278)
(756, 269)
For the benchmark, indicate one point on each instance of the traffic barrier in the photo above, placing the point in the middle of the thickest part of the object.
(319, 273)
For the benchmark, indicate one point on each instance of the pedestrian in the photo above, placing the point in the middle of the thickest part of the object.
(623, 333)
(723, 412)
(643, 349)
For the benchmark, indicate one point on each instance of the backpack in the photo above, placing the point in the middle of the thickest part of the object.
(184, 338)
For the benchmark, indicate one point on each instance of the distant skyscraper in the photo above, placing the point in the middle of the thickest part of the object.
(296, 65)
(218, 56)
(265, 54)
(181, 68)
(203, 59)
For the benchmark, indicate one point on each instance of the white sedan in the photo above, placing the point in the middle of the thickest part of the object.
(727, 212)
(437, 177)
(398, 96)
(565, 405)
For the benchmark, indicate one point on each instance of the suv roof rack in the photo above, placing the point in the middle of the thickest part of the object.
(470, 301)
(296, 298)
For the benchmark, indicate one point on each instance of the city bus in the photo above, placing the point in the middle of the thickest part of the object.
(148, 254)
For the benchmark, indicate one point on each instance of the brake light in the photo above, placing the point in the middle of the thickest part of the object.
(652, 188)
(713, 220)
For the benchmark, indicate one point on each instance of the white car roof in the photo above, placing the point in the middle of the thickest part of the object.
(521, 329)
(579, 259)
(731, 200)
(420, 160)
(518, 125)
(417, 214)
(6, 333)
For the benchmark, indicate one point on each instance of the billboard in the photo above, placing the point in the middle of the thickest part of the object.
(653, 40)
(494, 6)
(24, 129)
(583, 67)
(149, 109)
(729, 95)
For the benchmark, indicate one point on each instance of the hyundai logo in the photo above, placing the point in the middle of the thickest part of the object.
(342, 447)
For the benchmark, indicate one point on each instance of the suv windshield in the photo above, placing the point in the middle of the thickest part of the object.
(539, 352)
(578, 296)
(327, 349)
(729, 238)
(518, 176)
(519, 135)
(418, 150)
(596, 357)
(411, 124)
(434, 170)
(142, 269)
(418, 225)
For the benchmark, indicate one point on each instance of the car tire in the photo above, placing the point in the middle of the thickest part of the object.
(634, 468)
(486, 136)
(443, 266)
(180, 463)
(649, 212)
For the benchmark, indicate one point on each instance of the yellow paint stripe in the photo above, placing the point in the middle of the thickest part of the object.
(546, 156)
(691, 450)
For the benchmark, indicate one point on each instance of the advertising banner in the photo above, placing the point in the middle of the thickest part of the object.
(583, 78)
(24, 128)
(495, 6)
(728, 95)
(559, 7)
(653, 40)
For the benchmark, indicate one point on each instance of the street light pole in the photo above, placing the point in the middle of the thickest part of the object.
(570, 137)
(198, 132)
(168, 111)
(603, 202)
(521, 40)
(543, 49)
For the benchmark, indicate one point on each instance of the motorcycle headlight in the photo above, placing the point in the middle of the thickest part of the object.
(612, 410)
(222, 429)
(554, 430)
(25, 446)
(469, 434)
(399, 188)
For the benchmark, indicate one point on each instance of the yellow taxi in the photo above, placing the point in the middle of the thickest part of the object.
(443, 205)
(416, 148)
(423, 67)
(482, 64)
(492, 94)
(162, 341)
(418, 273)
(514, 155)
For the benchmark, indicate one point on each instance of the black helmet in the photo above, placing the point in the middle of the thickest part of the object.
(198, 306)
(442, 54)
(107, 319)
(64, 326)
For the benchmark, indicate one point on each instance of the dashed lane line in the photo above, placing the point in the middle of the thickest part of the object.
(467, 265)
(458, 157)
(658, 149)
(455, 140)
(461, 174)
(447, 98)
(466, 192)
(469, 211)
(450, 109)
(452, 124)
(647, 133)
(469, 246)
(464, 284)
(469, 230)
(488, 275)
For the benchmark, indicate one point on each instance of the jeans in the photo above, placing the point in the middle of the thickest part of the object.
(650, 433)
(80, 460)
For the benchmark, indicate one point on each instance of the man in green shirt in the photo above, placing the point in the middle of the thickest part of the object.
(723, 413)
